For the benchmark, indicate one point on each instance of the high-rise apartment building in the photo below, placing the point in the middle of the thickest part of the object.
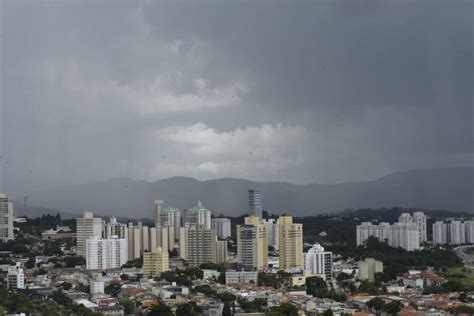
(291, 244)
(419, 218)
(102, 254)
(198, 215)
(453, 232)
(469, 228)
(172, 218)
(159, 208)
(368, 268)
(222, 227)
(6, 224)
(440, 233)
(457, 232)
(15, 277)
(155, 262)
(252, 244)
(272, 232)
(406, 236)
(407, 233)
(114, 228)
(201, 245)
(318, 261)
(255, 203)
(221, 251)
(87, 226)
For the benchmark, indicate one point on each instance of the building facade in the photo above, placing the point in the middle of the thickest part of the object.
(291, 244)
(201, 245)
(255, 203)
(241, 277)
(87, 226)
(368, 268)
(155, 262)
(318, 261)
(198, 215)
(102, 254)
(252, 244)
(6, 225)
(222, 227)
(15, 277)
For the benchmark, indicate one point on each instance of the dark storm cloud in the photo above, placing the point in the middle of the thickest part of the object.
(309, 91)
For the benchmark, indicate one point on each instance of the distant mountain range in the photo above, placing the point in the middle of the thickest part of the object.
(448, 188)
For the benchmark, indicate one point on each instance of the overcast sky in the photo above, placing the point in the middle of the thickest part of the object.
(321, 91)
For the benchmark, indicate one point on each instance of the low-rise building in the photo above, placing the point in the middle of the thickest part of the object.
(234, 277)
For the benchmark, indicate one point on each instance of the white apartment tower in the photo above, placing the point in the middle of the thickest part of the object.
(6, 224)
(272, 232)
(318, 261)
(102, 254)
(222, 227)
(198, 215)
(87, 226)
(114, 228)
(16, 277)
(457, 232)
(419, 218)
(440, 233)
(407, 233)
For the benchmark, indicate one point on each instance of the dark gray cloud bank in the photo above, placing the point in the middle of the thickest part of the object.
(321, 91)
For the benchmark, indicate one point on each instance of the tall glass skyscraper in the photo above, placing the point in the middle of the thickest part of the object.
(255, 203)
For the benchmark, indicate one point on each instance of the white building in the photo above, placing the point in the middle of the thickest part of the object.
(6, 224)
(114, 228)
(406, 236)
(16, 277)
(406, 233)
(469, 228)
(419, 218)
(453, 232)
(87, 226)
(222, 227)
(97, 287)
(172, 218)
(440, 233)
(272, 232)
(102, 254)
(457, 232)
(233, 277)
(198, 215)
(318, 261)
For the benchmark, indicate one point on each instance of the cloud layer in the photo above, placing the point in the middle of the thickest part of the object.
(313, 92)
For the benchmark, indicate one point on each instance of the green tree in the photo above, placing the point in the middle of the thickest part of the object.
(376, 304)
(286, 309)
(113, 289)
(316, 286)
(226, 310)
(343, 276)
(128, 306)
(160, 310)
(393, 307)
(328, 312)
(66, 286)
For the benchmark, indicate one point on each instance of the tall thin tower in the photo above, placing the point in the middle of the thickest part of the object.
(159, 207)
(255, 203)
